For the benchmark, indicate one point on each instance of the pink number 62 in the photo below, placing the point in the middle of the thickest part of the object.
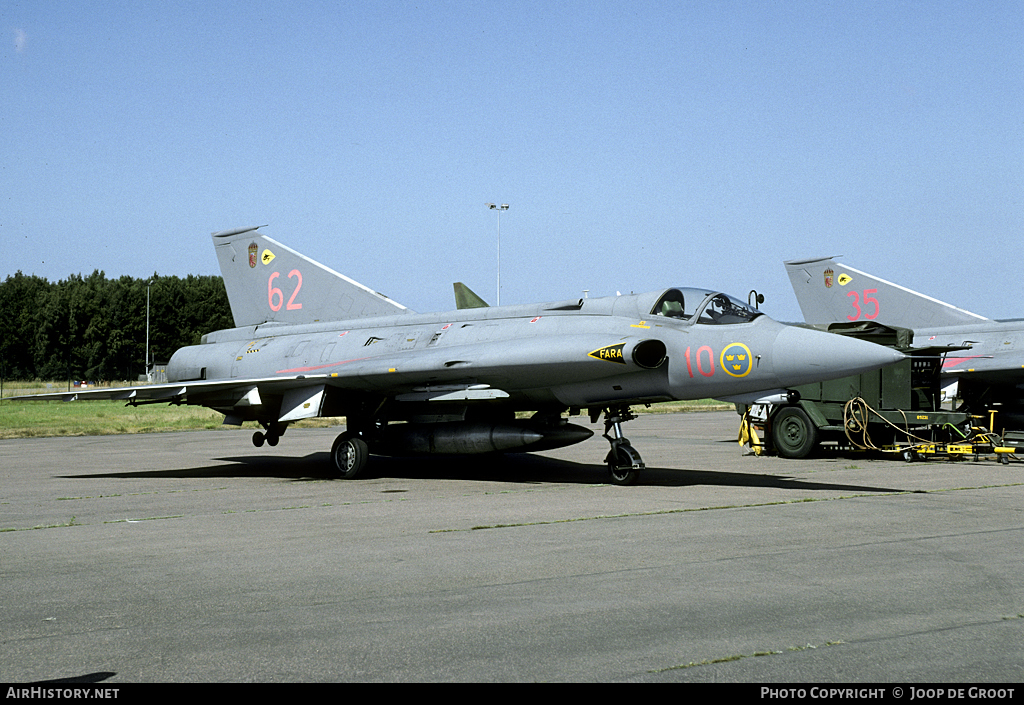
(275, 297)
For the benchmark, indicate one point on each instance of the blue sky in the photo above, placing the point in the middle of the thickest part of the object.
(640, 145)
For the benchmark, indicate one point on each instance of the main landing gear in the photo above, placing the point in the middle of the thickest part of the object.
(349, 455)
(624, 462)
(271, 437)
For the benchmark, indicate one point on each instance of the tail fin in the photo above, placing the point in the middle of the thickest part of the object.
(267, 281)
(467, 298)
(830, 292)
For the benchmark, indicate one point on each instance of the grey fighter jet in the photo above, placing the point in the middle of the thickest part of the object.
(990, 372)
(311, 342)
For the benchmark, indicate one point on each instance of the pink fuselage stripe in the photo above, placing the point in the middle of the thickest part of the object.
(320, 367)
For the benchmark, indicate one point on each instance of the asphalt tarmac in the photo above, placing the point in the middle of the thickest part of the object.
(197, 557)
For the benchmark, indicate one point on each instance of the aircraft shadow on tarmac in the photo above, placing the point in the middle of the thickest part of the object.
(97, 677)
(515, 468)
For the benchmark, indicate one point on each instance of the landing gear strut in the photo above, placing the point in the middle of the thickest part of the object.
(623, 461)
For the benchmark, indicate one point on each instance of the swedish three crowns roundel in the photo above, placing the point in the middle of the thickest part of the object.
(735, 360)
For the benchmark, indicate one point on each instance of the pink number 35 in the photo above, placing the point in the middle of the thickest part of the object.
(857, 301)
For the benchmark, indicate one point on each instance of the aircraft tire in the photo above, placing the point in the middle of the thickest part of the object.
(258, 439)
(621, 461)
(794, 434)
(349, 455)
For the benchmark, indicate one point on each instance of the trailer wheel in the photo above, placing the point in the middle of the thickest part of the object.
(794, 434)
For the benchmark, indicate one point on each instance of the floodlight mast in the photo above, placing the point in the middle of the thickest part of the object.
(149, 377)
(499, 209)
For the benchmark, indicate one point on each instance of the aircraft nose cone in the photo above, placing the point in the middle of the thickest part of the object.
(801, 355)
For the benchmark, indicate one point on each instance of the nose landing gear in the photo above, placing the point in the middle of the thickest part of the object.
(624, 462)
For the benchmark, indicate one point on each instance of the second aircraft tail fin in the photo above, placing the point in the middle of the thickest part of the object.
(829, 292)
(467, 298)
(267, 281)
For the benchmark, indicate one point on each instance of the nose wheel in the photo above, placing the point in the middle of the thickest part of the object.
(623, 461)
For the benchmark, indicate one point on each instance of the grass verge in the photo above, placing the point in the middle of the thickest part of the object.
(41, 419)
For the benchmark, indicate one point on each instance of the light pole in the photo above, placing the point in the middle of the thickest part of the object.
(148, 284)
(496, 207)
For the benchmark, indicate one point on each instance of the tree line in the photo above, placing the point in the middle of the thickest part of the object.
(94, 328)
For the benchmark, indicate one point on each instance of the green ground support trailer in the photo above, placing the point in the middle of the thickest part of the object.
(895, 409)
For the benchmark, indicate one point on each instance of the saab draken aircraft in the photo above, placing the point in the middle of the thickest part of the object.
(989, 372)
(312, 342)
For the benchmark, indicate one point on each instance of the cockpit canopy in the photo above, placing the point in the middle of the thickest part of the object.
(709, 308)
